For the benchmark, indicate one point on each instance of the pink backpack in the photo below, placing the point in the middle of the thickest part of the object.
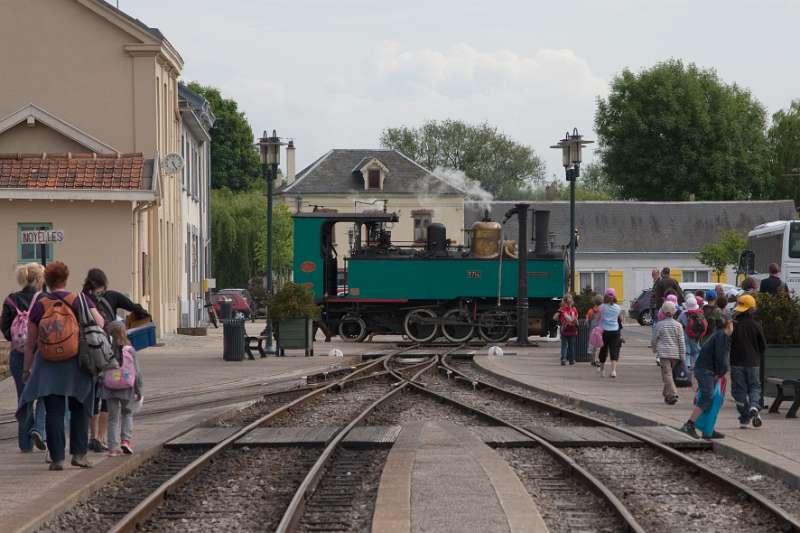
(19, 327)
(123, 377)
(596, 337)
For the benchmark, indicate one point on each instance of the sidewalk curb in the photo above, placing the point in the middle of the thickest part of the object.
(759, 465)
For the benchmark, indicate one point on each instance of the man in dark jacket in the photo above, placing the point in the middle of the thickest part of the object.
(773, 284)
(664, 284)
(711, 366)
(747, 348)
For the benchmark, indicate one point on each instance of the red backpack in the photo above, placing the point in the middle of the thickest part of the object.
(696, 324)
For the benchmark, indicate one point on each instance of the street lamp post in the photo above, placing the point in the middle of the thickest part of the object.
(270, 149)
(571, 147)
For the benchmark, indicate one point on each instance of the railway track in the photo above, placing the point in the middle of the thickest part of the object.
(218, 496)
(659, 487)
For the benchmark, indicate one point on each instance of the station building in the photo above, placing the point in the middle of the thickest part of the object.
(621, 242)
(89, 106)
(354, 181)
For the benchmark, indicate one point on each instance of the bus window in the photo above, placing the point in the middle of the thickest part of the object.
(767, 249)
(794, 240)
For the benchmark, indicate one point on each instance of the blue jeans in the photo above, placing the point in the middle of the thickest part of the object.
(34, 418)
(692, 353)
(569, 346)
(746, 390)
(706, 381)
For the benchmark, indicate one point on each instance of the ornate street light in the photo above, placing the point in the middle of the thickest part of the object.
(270, 149)
(571, 147)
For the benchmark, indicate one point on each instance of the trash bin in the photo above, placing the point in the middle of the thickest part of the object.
(584, 354)
(225, 309)
(233, 337)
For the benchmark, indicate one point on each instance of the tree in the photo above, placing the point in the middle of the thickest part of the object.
(234, 156)
(784, 140)
(502, 166)
(672, 131)
(718, 255)
(238, 237)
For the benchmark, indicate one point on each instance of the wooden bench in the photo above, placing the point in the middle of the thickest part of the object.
(781, 396)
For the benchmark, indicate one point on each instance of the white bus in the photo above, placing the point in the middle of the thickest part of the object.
(777, 242)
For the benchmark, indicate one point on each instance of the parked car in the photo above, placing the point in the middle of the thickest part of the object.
(241, 300)
(731, 291)
(640, 308)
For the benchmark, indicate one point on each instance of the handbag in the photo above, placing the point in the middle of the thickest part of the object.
(95, 354)
(681, 376)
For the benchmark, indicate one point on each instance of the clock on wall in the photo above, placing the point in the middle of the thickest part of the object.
(172, 163)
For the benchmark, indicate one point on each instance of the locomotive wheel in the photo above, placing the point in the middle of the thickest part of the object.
(353, 329)
(494, 326)
(458, 334)
(417, 331)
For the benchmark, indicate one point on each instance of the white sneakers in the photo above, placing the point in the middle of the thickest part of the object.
(613, 373)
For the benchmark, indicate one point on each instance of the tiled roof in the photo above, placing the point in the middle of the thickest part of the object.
(75, 171)
(643, 227)
(336, 173)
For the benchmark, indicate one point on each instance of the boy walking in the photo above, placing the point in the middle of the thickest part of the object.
(747, 348)
(670, 348)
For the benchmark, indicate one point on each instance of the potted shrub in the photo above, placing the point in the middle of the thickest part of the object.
(293, 311)
(780, 318)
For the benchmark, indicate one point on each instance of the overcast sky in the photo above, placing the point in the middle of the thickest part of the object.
(334, 73)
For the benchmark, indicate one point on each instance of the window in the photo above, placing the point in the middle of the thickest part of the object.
(374, 179)
(696, 276)
(32, 253)
(596, 281)
(794, 240)
(767, 249)
(422, 219)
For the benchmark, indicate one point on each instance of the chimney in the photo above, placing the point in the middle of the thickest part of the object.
(290, 164)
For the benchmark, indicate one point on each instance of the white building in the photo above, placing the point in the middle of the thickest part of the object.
(620, 243)
(196, 122)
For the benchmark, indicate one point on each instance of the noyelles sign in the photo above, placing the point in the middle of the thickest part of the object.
(41, 236)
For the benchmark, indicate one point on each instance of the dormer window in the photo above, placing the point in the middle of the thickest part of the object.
(373, 172)
(374, 179)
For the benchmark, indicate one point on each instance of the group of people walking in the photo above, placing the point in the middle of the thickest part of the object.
(46, 325)
(708, 338)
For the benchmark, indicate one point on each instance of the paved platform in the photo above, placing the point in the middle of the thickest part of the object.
(185, 382)
(441, 477)
(636, 392)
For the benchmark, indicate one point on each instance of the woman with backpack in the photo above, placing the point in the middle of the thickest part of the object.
(567, 317)
(14, 324)
(121, 388)
(51, 370)
(611, 322)
(108, 302)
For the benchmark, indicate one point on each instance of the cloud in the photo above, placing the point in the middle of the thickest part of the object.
(462, 71)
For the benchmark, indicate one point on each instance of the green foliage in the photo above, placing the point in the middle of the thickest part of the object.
(718, 255)
(674, 130)
(234, 156)
(780, 317)
(784, 140)
(292, 301)
(502, 166)
(238, 237)
(559, 190)
(583, 301)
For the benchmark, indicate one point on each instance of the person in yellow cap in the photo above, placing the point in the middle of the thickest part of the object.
(747, 348)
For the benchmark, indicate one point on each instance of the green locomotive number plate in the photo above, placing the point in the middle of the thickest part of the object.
(473, 274)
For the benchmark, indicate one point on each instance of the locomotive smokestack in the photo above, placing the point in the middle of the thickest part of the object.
(542, 228)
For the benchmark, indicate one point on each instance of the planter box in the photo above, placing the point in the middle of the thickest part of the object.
(295, 333)
(780, 361)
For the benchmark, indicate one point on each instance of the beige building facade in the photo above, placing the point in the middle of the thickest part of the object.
(87, 81)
